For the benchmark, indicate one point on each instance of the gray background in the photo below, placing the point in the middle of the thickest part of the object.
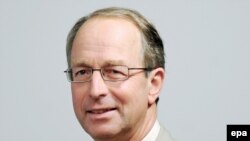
(208, 63)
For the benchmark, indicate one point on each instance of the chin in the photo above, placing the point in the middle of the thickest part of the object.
(104, 131)
(102, 134)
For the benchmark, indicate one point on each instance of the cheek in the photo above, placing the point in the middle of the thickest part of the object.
(77, 97)
(133, 102)
(132, 93)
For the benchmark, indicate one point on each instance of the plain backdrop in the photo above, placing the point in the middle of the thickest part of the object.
(207, 45)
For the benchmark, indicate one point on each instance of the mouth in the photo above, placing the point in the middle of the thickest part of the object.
(100, 111)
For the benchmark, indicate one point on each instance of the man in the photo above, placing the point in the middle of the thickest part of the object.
(116, 69)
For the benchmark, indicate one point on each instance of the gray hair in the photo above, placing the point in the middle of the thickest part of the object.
(152, 50)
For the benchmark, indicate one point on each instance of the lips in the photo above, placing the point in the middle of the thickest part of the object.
(100, 111)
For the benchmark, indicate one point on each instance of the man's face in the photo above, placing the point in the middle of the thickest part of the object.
(109, 109)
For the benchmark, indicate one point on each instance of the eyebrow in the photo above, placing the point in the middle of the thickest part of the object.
(113, 62)
(86, 63)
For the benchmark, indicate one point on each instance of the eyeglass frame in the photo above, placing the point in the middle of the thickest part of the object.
(69, 70)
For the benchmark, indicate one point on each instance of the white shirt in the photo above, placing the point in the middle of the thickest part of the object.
(153, 133)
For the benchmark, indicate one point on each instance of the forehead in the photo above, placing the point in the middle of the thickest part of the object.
(106, 38)
(104, 30)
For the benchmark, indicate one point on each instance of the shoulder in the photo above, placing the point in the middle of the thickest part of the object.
(164, 135)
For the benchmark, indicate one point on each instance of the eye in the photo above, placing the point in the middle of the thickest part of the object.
(112, 71)
(82, 72)
(115, 72)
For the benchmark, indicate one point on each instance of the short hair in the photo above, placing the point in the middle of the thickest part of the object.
(152, 45)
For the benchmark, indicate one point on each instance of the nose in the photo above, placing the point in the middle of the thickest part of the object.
(98, 87)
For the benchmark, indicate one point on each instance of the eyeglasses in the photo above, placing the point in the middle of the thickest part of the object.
(109, 73)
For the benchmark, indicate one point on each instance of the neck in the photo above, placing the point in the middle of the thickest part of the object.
(147, 124)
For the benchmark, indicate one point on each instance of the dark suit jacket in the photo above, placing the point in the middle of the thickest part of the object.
(164, 135)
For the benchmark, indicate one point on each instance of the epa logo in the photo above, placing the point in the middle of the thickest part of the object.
(238, 132)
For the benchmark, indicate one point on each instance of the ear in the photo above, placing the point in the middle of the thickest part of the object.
(156, 78)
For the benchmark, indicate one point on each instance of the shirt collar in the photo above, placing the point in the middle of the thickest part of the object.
(153, 133)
